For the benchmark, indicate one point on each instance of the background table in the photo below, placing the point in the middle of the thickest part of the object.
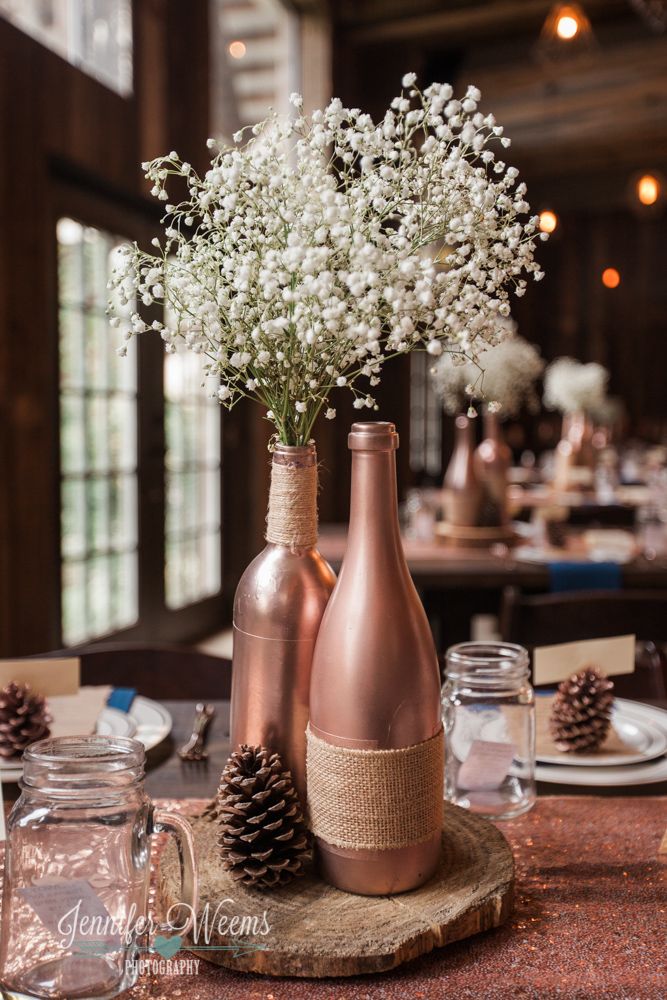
(457, 584)
(589, 922)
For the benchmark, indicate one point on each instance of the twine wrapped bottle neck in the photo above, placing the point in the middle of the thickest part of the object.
(292, 515)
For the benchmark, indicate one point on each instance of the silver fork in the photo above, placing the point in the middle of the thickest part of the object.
(194, 748)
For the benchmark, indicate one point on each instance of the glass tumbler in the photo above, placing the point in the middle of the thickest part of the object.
(489, 718)
(77, 865)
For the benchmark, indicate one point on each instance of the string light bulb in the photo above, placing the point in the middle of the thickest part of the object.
(648, 189)
(566, 29)
(611, 278)
(548, 221)
(567, 26)
(237, 49)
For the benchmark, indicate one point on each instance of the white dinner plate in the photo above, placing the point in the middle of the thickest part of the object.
(147, 721)
(612, 777)
(153, 721)
(637, 727)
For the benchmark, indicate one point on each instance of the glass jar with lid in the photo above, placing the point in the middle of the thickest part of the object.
(489, 718)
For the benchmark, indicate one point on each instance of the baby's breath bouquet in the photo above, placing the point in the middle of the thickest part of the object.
(317, 247)
(505, 374)
(572, 387)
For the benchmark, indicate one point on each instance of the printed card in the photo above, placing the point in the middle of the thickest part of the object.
(486, 766)
(552, 664)
(60, 675)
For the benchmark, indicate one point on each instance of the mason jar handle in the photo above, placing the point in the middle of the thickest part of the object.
(166, 822)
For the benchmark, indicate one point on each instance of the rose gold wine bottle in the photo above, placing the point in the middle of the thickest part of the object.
(462, 491)
(375, 682)
(492, 464)
(278, 608)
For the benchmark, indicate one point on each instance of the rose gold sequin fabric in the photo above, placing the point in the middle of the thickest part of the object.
(590, 922)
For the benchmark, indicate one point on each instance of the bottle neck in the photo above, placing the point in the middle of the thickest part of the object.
(374, 501)
(292, 515)
(491, 426)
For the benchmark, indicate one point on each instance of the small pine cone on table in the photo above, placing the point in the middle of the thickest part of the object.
(24, 719)
(581, 710)
(263, 837)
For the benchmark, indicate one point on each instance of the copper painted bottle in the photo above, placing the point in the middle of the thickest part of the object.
(492, 462)
(278, 608)
(462, 489)
(375, 682)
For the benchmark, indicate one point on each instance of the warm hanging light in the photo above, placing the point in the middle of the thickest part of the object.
(566, 28)
(611, 278)
(548, 221)
(648, 189)
(237, 49)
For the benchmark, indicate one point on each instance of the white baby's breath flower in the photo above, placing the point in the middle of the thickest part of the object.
(293, 277)
(330, 414)
(570, 386)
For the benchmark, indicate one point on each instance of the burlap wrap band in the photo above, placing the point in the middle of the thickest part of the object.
(292, 515)
(375, 800)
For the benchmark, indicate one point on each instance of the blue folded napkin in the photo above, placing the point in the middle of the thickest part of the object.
(121, 698)
(565, 576)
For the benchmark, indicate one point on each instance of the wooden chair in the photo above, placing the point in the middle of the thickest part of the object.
(547, 619)
(161, 672)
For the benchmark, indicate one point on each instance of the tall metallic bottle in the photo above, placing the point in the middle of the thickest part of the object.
(492, 463)
(278, 608)
(462, 490)
(375, 682)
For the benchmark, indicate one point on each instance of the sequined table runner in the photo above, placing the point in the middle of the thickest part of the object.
(590, 921)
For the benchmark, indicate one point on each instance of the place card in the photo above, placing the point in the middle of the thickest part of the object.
(486, 766)
(59, 675)
(615, 655)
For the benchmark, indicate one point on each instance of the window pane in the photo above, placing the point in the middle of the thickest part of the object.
(98, 444)
(193, 471)
(254, 61)
(95, 35)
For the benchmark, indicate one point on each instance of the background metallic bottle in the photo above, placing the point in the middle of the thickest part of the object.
(278, 608)
(462, 490)
(375, 681)
(493, 459)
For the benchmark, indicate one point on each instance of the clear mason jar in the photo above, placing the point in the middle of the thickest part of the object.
(77, 866)
(489, 718)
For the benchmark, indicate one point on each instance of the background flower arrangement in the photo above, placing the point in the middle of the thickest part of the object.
(304, 258)
(504, 373)
(571, 387)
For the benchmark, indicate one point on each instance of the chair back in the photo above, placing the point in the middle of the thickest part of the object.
(548, 619)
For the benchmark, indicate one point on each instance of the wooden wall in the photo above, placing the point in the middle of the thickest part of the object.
(69, 141)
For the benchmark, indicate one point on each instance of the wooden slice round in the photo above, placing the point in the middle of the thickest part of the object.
(466, 536)
(316, 930)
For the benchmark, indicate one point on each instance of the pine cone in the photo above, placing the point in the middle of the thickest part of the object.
(263, 838)
(581, 711)
(24, 718)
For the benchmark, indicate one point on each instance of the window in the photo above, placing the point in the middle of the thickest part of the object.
(98, 444)
(94, 35)
(255, 64)
(425, 419)
(193, 460)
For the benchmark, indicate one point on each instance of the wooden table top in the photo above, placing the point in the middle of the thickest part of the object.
(169, 777)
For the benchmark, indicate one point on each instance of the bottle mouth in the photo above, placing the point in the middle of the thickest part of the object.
(487, 663)
(79, 763)
(303, 456)
(373, 435)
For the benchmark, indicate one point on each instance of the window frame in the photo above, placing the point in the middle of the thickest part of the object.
(156, 621)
